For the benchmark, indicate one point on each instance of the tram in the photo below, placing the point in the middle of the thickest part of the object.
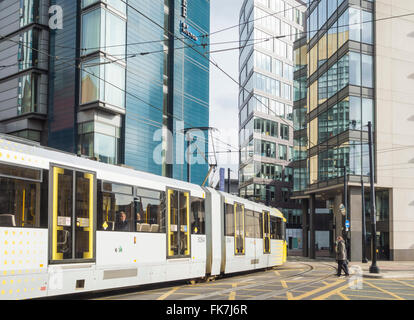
(70, 224)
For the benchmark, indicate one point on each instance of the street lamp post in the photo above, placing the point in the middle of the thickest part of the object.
(364, 231)
(373, 268)
(346, 208)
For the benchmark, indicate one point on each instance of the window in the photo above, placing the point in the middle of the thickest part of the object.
(263, 61)
(27, 54)
(285, 194)
(29, 12)
(278, 172)
(282, 152)
(367, 113)
(150, 210)
(197, 216)
(228, 219)
(103, 30)
(367, 27)
(27, 100)
(116, 208)
(333, 39)
(277, 231)
(367, 70)
(94, 87)
(322, 12)
(322, 48)
(266, 127)
(20, 197)
(343, 28)
(99, 140)
(268, 149)
(253, 224)
(284, 131)
(333, 80)
(289, 112)
(288, 174)
(354, 24)
(280, 109)
(28, 134)
(355, 113)
(332, 5)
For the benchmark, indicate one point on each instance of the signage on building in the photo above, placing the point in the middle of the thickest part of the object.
(189, 32)
(184, 8)
(185, 29)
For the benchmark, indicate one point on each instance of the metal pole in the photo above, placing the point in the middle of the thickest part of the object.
(373, 268)
(267, 196)
(188, 159)
(228, 180)
(364, 231)
(346, 208)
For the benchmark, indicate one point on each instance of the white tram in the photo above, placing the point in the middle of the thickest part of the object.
(69, 224)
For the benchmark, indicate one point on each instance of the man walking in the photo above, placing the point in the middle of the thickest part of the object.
(341, 256)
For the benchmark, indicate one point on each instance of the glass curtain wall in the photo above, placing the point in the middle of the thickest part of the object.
(351, 68)
(103, 38)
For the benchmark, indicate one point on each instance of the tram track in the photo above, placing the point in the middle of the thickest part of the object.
(244, 284)
(299, 286)
(310, 269)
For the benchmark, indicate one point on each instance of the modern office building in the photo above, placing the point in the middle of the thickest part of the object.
(267, 32)
(356, 66)
(108, 80)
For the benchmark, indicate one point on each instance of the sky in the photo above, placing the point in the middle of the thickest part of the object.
(223, 91)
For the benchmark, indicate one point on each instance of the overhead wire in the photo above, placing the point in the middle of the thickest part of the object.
(210, 60)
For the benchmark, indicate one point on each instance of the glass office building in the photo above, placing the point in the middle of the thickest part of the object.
(340, 85)
(267, 32)
(120, 84)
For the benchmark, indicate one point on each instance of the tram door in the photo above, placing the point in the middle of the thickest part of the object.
(239, 236)
(266, 232)
(72, 219)
(178, 224)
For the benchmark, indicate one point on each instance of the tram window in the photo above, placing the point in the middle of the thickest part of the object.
(20, 172)
(197, 216)
(229, 219)
(281, 229)
(150, 210)
(19, 203)
(64, 213)
(116, 188)
(259, 228)
(116, 214)
(273, 228)
(83, 198)
(276, 228)
(252, 224)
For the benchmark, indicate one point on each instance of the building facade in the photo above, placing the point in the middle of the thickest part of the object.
(355, 67)
(267, 32)
(116, 81)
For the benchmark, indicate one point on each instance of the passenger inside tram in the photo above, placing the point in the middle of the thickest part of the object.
(122, 224)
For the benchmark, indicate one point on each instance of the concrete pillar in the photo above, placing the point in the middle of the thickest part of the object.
(355, 212)
(305, 227)
(312, 204)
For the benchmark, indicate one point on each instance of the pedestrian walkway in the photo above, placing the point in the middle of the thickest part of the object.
(388, 269)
